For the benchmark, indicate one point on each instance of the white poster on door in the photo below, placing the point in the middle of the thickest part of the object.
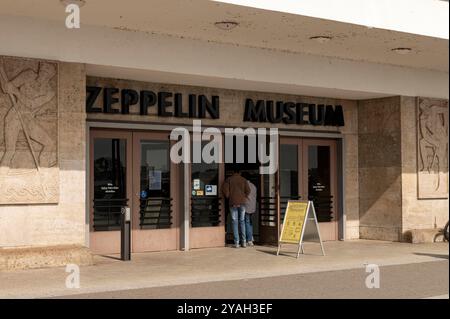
(154, 180)
(196, 184)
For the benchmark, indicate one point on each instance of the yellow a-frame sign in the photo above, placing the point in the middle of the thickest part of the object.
(300, 224)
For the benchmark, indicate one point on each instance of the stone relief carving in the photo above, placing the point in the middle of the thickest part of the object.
(432, 148)
(28, 131)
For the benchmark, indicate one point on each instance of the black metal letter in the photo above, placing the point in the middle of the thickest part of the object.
(288, 110)
(163, 103)
(211, 106)
(92, 92)
(254, 113)
(334, 117)
(109, 100)
(148, 98)
(339, 116)
(128, 97)
(269, 110)
(192, 105)
(302, 110)
(316, 119)
(178, 101)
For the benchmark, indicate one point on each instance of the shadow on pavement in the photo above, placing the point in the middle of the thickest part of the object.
(432, 255)
(110, 257)
(269, 252)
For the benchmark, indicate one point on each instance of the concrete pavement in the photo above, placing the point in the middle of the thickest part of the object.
(418, 280)
(147, 270)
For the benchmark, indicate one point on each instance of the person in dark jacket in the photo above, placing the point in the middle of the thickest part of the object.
(236, 190)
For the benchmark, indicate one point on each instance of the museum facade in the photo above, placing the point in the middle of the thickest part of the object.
(79, 140)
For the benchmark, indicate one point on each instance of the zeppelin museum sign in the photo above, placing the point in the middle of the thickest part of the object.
(169, 104)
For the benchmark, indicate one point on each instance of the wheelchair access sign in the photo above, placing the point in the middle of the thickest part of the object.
(211, 190)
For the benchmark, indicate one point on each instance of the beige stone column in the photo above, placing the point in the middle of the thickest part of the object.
(380, 159)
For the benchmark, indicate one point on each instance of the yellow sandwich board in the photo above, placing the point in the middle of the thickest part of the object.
(294, 219)
(300, 221)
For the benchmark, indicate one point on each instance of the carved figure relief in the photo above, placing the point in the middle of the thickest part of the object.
(28, 131)
(432, 148)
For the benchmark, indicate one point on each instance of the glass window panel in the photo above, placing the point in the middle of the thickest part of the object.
(155, 200)
(205, 209)
(109, 182)
(204, 174)
(268, 200)
(155, 168)
(288, 170)
(319, 181)
(288, 175)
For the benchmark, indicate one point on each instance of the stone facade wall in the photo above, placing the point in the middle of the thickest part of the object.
(231, 115)
(419, 212)
(403, 177)
(62, 220)
(380, 169)
(58, 220)
(351, 172)
(381, 154)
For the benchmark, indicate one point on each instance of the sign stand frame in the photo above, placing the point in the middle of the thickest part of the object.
(308, 218)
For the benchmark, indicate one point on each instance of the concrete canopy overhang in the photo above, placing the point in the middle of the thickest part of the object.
(176, 41)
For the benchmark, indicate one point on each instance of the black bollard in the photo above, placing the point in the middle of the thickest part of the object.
(125, 233)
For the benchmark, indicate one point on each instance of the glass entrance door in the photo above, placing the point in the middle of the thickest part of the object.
(207, 210)
(154, 223)
(308, 172)
(110, 181)
(269, 206)
(320, 183)
(132, 169)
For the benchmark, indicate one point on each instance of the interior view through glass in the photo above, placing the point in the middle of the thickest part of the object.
(109, 182)
(155, 199)
(304, 173)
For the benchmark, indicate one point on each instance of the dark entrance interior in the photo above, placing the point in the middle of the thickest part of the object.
(250, 171)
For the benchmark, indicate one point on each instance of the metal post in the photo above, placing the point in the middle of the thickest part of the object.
(186, 200)
(125, 233)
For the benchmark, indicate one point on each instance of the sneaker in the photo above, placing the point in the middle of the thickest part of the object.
(244, 245)
(250, 243)
(236, 246)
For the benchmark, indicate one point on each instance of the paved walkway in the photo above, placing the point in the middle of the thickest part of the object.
(159, 269)
(408, 281)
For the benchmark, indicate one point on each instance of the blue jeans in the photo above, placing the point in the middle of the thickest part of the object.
(238, 218)
(248, 227)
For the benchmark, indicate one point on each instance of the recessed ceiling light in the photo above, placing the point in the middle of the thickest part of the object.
(226, 25)
(321, 38)
(402, 50)
(79, 3)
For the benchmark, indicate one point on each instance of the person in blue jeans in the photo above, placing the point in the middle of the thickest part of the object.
(236, 190)
(238, 222)
(250, 209)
